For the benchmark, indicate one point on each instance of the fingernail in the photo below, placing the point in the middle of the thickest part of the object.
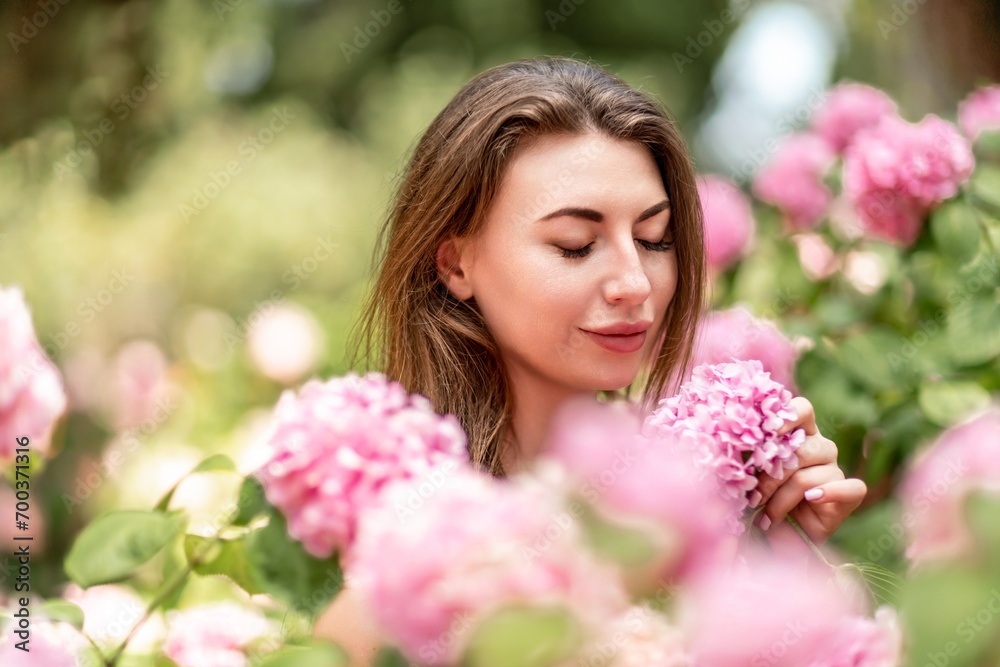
(755, 498)
(765, 522)
(814, 494)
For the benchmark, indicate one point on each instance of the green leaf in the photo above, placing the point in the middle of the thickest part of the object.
(936, 606)
(621, 544)
(315, 655)
(973, 330)
(214, 463)
(946, 403)
(390, 657)
(115, 544)
(251, 502)
(62, 610)
(871, 359)
(986, 184)
(285, 569)
(981, 511)
(956, 231)
(226, 557)
(523, 637)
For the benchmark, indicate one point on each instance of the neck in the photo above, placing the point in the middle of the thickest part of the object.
(536, 400)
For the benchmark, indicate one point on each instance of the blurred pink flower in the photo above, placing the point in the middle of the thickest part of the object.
(895, 172)
(110, 612)
(474, 546)
(964, 458)
(48, 648)
(213, 635)
(729, 223)
(734, 333)
(793, 180)
(139, 383)
(641, 637)
(980, 112)
(817, 258)
(774, 614)
(850, 107)
(336, 444)
(731, 414)
(31, 392)
(286, 344)
(864, 642)
(650, 484)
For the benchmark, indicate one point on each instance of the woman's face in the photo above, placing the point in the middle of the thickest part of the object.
(577, 241)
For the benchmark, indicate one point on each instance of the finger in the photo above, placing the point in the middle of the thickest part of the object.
(792, 492)
(815, 451)
(805, 417)
(820, 520)
(848, 492)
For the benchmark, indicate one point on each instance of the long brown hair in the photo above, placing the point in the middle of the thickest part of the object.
(415, 331)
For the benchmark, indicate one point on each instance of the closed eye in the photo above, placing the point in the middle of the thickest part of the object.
(665, 245)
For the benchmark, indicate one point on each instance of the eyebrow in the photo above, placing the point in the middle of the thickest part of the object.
(597, 216)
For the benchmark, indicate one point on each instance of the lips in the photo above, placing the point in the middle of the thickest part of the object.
(621, 343)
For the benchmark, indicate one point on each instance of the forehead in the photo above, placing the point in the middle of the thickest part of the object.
(574, 169)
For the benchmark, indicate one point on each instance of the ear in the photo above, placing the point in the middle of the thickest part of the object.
(452, 268)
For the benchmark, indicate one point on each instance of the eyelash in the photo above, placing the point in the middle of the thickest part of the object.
(579, 253)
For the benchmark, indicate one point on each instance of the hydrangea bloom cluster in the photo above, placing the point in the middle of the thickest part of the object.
(476, 545)
(849, 108)
(213, 634)
(729, 222)
(735, 333)
(980, 112)
(335, 446)
(31, 392)
(642, 637)
(793, 179)
(730, 413)
(773, 597)
(964, 458)
(895, 172)
(643, 483)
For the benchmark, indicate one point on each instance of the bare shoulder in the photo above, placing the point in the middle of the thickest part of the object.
(349, 623)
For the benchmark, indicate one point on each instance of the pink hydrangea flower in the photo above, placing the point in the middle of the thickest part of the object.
(734, 333)
(865, 642)
(729, 222)
(110, 612)
(642, 637)
(980, 112)
(964, 458)
(849, 108)
(895, 172)
(731, 413)
(475, 546)
(213, 635)
(793, 180)
(31, 392)
(50, 646)
(777, 614)
(336, 445)
(644, 483)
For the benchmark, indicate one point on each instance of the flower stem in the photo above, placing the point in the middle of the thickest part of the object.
(808, 540)
(168, 589)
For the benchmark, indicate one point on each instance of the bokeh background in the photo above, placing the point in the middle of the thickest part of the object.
(190, 193)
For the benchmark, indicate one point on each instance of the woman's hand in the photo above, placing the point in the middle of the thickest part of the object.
(816, 494)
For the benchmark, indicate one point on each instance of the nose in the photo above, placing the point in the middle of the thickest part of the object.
(627, 282)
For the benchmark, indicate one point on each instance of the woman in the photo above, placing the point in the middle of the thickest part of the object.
(546, 242)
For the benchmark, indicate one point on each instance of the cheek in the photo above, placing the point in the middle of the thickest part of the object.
(527, 295)
(664, 282)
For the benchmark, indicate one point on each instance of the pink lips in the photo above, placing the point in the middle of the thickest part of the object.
(623, 343)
